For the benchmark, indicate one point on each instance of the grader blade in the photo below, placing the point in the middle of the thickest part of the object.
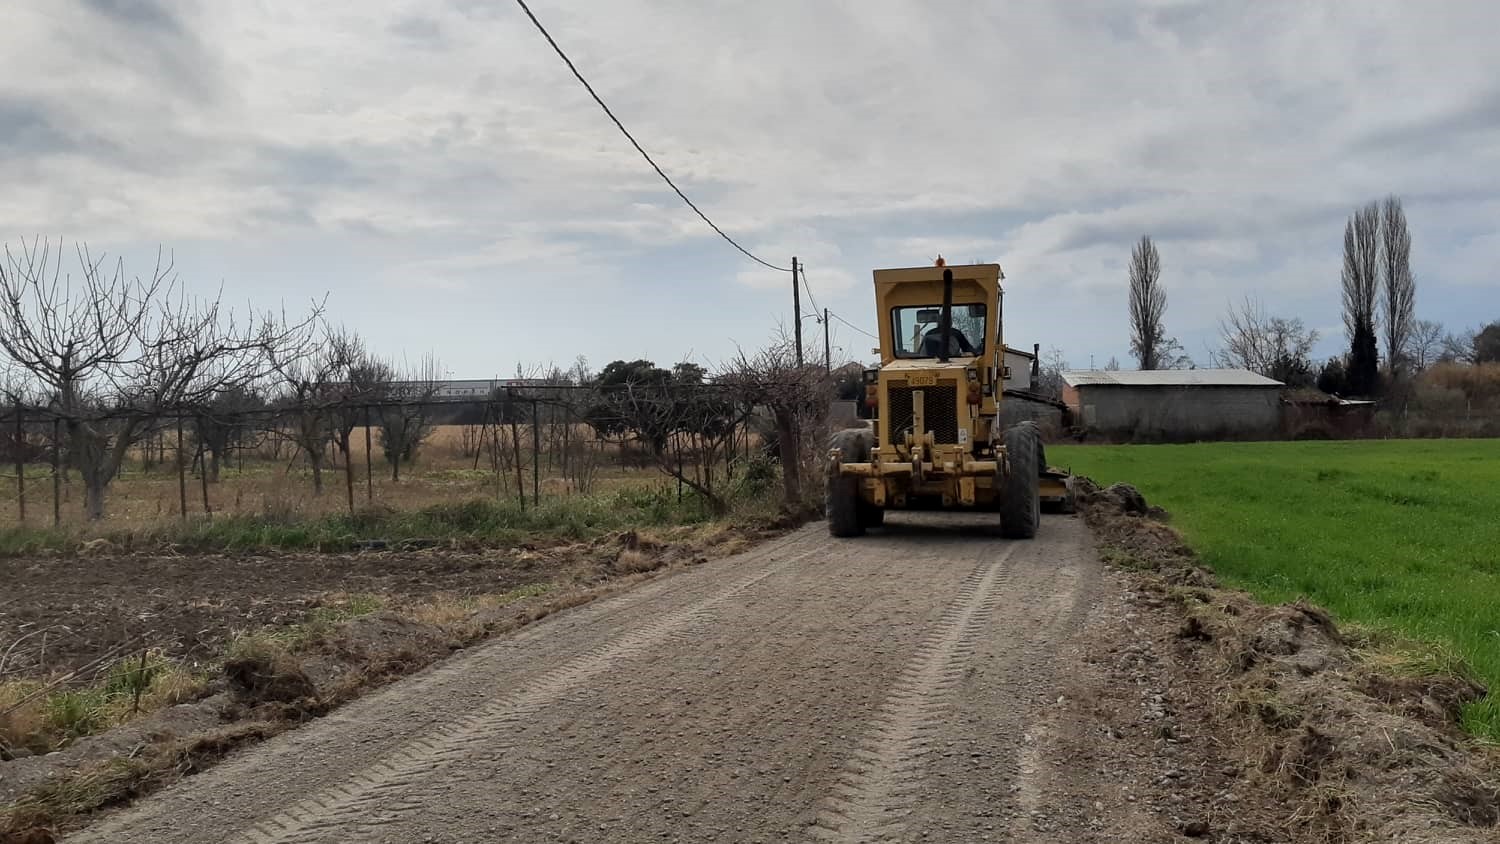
(1057, 490)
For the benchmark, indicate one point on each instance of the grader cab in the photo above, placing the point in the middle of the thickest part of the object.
(934, 404)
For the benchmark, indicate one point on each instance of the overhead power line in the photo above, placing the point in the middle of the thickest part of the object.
(818, 312)
(833, 315)
(638, 148)
(810, 297)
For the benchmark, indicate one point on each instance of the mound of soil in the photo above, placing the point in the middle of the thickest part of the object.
(1335, 748)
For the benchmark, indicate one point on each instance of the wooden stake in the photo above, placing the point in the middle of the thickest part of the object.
(181, 471)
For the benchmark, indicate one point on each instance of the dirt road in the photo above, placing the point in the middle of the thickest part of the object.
(911, 685)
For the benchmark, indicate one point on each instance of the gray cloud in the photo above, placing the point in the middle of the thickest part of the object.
(1239, 136)
(311, 166)
(143, 14)
(418, 30)
(156, 39)
(1454, 129)
(27, 129)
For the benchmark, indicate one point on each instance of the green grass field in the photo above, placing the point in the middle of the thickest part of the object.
(1399, 534)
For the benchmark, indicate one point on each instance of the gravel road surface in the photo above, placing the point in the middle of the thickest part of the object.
(903, 686)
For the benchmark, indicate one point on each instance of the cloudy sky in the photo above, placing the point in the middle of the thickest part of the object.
(432, 166)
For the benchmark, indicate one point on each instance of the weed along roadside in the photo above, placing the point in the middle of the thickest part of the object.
(1341, 733)
(109, 691)
(1394, 537)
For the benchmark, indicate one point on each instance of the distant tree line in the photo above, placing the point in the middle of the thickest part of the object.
(1387, 344)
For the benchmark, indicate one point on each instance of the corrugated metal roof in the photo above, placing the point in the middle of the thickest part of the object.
(1168, 378)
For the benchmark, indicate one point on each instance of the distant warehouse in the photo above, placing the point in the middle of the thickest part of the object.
(1174, 404)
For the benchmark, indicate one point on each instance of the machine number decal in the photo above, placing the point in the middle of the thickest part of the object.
(922, 379)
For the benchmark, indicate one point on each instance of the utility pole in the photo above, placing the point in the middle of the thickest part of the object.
(797, 310)
(827, 349)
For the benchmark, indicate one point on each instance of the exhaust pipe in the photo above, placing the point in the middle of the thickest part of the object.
(947, 317)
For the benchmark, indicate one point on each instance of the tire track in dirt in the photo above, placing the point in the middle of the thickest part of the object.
(874, 793)
(988, 736)
(371, 797)
(860, 691)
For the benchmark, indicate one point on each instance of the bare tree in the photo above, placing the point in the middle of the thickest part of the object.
(1050, 373)
(684, 423)
(1361, 283)
(798, 398)
(1425, 343)
(1276, 347)
(406, 418)
(117, 354)
(314, 385)
(1148, 304)
(1460, 347)
(224, 424)
(1399, 301)
(1112, 365)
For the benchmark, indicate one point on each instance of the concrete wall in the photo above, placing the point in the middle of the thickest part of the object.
(1015, 409)
(844, 414)
(1177, 413)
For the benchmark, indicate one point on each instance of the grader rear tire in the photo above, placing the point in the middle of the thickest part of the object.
(842, 502)
(1021, 508)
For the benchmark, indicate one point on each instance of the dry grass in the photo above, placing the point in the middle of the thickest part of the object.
(116, 780)
(45, 715)
(281, 486)
(22, 719)
(457, 613)
(633, 561)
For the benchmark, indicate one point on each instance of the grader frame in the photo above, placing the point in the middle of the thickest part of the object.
(935, 400)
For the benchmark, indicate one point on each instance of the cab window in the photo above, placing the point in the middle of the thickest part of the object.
(918, 330)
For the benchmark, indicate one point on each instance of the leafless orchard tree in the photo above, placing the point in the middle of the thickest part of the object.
(116, 355)
(1276, 347)
(406, 418)
(224, 424)
(683, 423)
(367, 381)
(1361, 284)
(313, 386)
(1400, 289)
(1425, 344)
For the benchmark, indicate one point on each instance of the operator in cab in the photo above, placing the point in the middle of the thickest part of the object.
(958, 344)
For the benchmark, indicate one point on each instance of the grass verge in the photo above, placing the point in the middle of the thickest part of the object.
(1335, 734)
(1395, 535)
(38, 716)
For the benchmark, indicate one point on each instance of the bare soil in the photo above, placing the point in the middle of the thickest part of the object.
(928, 682)
(190, 606)
(286, 671)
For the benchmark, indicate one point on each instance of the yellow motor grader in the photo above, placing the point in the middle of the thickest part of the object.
(935, 440)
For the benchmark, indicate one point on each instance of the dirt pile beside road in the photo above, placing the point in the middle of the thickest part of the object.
(1338, 735)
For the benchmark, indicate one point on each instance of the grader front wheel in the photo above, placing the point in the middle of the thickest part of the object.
(1021, 507)
(847, 514)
